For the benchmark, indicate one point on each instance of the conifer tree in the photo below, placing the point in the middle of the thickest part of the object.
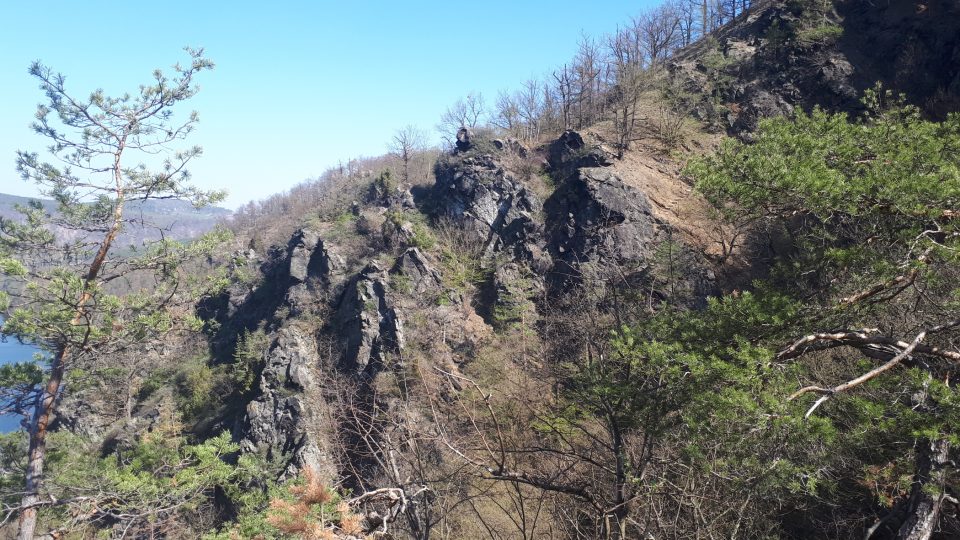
(106, 153)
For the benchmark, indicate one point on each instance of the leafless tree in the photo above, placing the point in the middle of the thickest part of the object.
(467, 112)
(405, 144)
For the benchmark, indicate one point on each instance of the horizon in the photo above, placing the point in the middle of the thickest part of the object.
(289, 108)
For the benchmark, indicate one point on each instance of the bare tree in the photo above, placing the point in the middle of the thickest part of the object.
(658, 32)
(406, 142)
(466, 112)
(507, 113)
(588, 66)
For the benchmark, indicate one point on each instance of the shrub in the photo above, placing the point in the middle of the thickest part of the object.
(823, 33)
(248, 359)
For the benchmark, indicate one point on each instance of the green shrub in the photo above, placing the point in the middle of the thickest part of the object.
(401, 283)
(198, 387)
(823, 33)
(248, 359)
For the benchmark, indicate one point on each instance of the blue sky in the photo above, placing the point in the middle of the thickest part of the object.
(298, 85)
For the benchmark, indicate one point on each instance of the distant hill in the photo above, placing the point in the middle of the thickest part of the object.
(148, 220)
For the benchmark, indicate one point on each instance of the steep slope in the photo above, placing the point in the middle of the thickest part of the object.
(800, 53)
(351, 349)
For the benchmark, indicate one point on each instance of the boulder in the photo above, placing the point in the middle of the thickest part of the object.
(571, 151)
(464, 139)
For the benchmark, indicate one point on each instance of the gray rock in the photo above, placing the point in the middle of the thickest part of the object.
(464, 139)
(595, 217)
(276, 422)
(367, 323)
(313, 263)
(571, 151)
(413, 265)
(481, 195)
(310, 257)
(599, 227)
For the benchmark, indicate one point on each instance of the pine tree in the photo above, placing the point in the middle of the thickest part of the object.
(62, 262)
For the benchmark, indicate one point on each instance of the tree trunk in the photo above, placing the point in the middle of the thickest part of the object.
(47, 404)
(926, 494)
(38, 448)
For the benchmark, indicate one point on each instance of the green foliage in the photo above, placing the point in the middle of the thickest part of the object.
(401, 283)
(860, 190)
(13, 461)
(301, 508)
(161, 480)
(806, 24)
(383, 186)
(871, 207)
(422, 237)
(461, 270)
(822, 33)
(18, 384)
(200, 388)
(248, 359)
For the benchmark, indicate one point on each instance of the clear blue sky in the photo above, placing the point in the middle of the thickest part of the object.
(298, 85)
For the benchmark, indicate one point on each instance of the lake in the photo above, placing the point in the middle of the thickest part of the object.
(11, 351)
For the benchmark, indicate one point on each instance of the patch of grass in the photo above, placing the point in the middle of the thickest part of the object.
(422, 237)
(401, 283)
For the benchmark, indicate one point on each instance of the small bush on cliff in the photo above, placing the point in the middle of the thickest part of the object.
(248, 359)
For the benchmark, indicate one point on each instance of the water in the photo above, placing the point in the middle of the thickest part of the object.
(12, 351)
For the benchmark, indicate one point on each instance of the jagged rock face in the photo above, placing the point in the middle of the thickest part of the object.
(275, 423)
(367, 323)
(412, 265)
(599, 227)
(910, 47)
(310, 257)
(595, 217)
(311, 263)
(480, 194)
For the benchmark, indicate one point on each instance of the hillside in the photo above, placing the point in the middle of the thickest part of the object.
(679, 304)
(148, 220)
(783, 55)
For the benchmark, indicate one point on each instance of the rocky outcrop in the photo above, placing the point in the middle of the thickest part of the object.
(599, 227)
(595, 217)
(571, 151)
(413, 267)
(313, 266)
(310, 257)
(276, 421)
(480, 194)
(781, 56)
(367, 324)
